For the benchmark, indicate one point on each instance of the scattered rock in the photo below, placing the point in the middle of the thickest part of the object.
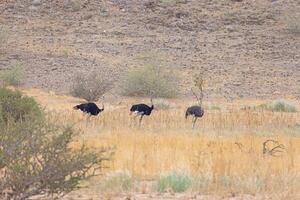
(222, 37)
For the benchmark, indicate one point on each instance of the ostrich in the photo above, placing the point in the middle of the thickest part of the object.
(196, 111)
(89, 108)
(141, 109)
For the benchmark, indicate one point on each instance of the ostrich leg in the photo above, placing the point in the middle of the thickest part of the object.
(194, 122)
(140, 121)
(87, 120)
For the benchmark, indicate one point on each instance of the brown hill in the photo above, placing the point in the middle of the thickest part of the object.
(247, 48)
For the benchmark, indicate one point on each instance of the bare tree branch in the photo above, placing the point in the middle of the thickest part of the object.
(275, 148)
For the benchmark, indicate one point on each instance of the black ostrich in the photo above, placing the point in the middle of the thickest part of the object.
(141, 110)
(89, 108)
(196, 111)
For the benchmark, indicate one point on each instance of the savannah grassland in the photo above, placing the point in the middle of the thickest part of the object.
(249, 51)
(223, 155)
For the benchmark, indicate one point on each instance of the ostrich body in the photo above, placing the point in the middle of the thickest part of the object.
(141, 110)
(196, 112)
(89, 108)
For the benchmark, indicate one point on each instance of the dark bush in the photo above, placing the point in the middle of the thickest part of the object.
(93, 85)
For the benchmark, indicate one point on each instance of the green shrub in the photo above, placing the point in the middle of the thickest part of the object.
(279, 105)
(13, 76)
(73, 5)
(247, 184)
(171, 2)
(150, 81)
(16, 106)
(211, 106)
(175, 181)
(202, 183)
(119, 181)
(93, 85)
(292, 22)
(36, 157)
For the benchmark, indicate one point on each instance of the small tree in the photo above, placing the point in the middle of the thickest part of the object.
(93, 85)
(36, 157)
(150, 81)
(198, 84)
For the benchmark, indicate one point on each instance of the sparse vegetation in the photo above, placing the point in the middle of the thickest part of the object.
(150, 81)
(118, 181)
(35, 153)
(214, 107)
(255, 184)
(279, 105)
(65, 51)
(222, 154)
(93, 85)
(162, 104)
(171, 2)
(73, 5)
(174, 181)
(13, 76)
(201, 183)
(293, 22)
(14, 106)
(3, 37)
(211, 106)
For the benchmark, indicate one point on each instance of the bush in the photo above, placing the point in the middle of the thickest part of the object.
(171, 2)
(119, 181)
(292, 22)
(279, 105)
(201, 183)
(73, 5)
(177, 182)
(150, 81)
(92, 86)
(3, 37)
(162, 104)
(13, 76)
(36, 157)
(16, 107)
(211, 106)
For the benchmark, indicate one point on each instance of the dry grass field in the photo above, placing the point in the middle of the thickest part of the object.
(248, 53)
(223, 154)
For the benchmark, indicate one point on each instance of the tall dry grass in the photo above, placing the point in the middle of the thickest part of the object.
(224, 152)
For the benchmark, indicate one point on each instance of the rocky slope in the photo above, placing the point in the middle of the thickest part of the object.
(245, 48)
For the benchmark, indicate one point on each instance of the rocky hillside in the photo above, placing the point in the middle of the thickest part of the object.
(245, 48)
